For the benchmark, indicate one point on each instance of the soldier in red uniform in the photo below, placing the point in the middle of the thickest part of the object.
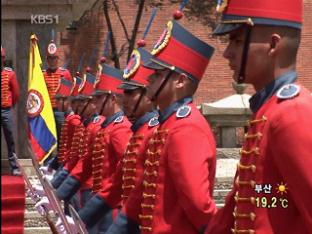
(139, 108)
(64, 105)
(82, 142)
(175, 195)
(69, 130)
(80, 176)
(272, 187)
(109, 143)
(9, 97)
(52, 77)
(68, 152)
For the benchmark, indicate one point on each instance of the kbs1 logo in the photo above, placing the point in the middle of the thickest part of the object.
(44, 19)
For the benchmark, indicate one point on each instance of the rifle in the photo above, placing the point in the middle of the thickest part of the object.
(49, 191)
(80, 225)
(35, 197)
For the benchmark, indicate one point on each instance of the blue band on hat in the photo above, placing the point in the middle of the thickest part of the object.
(113, 72)
(66, 82)
(90, 78)
(78, 81)
(145, 55)
(185, 37)
(264, 21)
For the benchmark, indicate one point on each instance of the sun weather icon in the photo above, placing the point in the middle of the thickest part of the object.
(282, 188)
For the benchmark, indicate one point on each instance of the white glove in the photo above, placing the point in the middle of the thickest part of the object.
(60, 227)
(39, 190)
(44, 170)
(48, 177)
(43, 205)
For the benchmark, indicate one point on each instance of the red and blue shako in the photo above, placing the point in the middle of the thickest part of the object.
(109, 81)
(135, 75)
(235, 13)
(64, 88)
(179, 50)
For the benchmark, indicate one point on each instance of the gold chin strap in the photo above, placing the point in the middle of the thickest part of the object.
(172, 68)
(247, 21)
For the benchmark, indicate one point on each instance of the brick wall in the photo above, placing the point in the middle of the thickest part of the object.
(217, 81)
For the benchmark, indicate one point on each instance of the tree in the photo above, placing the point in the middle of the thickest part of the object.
(131, 40)
(203, 11)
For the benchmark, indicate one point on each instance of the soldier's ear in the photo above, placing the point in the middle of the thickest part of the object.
(181, 80)
(274, 43)
(113, 97)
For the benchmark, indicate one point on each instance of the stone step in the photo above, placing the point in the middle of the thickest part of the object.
(221, 193)
(37, 230)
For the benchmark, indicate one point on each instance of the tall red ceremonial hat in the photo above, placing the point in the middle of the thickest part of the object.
(135, 74)
(64, 88)
(86, 88)
(77, 82)
(109, 81)
(235, 13)
(179, 50)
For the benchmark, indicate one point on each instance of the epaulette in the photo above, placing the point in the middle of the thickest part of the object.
(44, 70)
(96, 119)
(119, 119)
(8, 69)
(183, 111)
(288, 91)
(63, 69)
(153, 122)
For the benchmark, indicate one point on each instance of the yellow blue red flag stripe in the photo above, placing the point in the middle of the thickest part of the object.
(42, 129)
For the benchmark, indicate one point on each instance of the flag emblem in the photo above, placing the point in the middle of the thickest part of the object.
(35, 103)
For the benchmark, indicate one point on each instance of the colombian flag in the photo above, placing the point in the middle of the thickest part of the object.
(42, 129)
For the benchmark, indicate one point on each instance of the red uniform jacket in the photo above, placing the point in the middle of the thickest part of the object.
(67, 133)
(128, 172)
(82, 171)
(9, 88)
(79, 176)
(52, 79)
(77, 146)
(179, 171)
(130, 168)
(72, 136)
(109, 147)
(277, 151)
(105, 143)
